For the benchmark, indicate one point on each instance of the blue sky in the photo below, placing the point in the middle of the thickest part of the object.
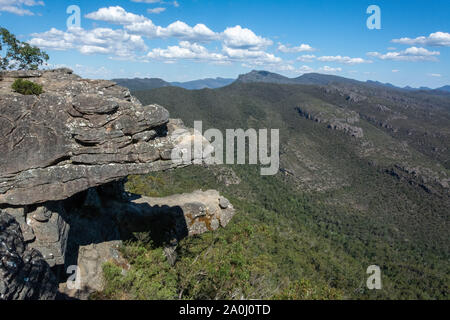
(192, 39)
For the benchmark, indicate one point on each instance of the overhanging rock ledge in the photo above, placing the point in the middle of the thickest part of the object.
(78, 134)
(63, 157)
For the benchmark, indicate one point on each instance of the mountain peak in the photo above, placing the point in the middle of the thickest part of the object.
(264, 76)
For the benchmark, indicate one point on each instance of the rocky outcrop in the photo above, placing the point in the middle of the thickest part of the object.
(337, 119)
(63, 157)
(349, 92)
(78, 134)
(225, 175)
(423, 178)
(347, 128)
(24, 273)
(44, 229)
(96, 235)
(87, 273)
(202, 211)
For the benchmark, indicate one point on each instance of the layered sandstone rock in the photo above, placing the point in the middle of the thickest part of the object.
(63, 155)
(78, 134)
(95, 235)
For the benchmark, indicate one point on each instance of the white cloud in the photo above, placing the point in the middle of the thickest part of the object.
(327, 69)
(395, 71)
(156, 10)
(436, 75)
(233, 37)
(180, 30)
(147, 1)
(286, 68)
(337, 59)
(17, 6)
(118, 43)
(306, 69)
(194, 51)
(344, 60)
(238, 44)
(243, 38)
(301, 48)
(141, 25)
(306, 58)
(146, 28)
(242, 44)
(174, 3)
(257, 57)
(185, 50)
(116, 15)
(437, 39)
(412, 54)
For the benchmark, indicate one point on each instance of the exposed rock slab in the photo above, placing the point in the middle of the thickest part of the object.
(336, 118)
(96, 235)
(89, 273)
(78, 134)
(61, 154)
(203, 210)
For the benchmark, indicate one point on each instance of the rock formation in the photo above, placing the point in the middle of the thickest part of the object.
(24, 274)
(78, 134)
(202, 211)
(337, 119)
(94, 237)
(61, 155)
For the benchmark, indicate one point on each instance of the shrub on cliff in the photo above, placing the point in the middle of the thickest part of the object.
(27, 87)
(19, 55)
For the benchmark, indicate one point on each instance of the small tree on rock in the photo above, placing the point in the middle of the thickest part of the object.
(19, 55)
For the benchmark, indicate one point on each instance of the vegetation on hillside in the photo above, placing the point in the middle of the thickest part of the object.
(341, 205)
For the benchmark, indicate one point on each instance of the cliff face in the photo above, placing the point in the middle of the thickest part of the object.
(61, 155)
(78, 134)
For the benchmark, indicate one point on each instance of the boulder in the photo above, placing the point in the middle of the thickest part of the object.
(202, 211)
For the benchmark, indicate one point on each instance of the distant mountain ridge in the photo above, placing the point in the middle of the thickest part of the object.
(320, 79)
(138, 84)
(444, 88)
(209, 83)
(261, 76)
(307, 78)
